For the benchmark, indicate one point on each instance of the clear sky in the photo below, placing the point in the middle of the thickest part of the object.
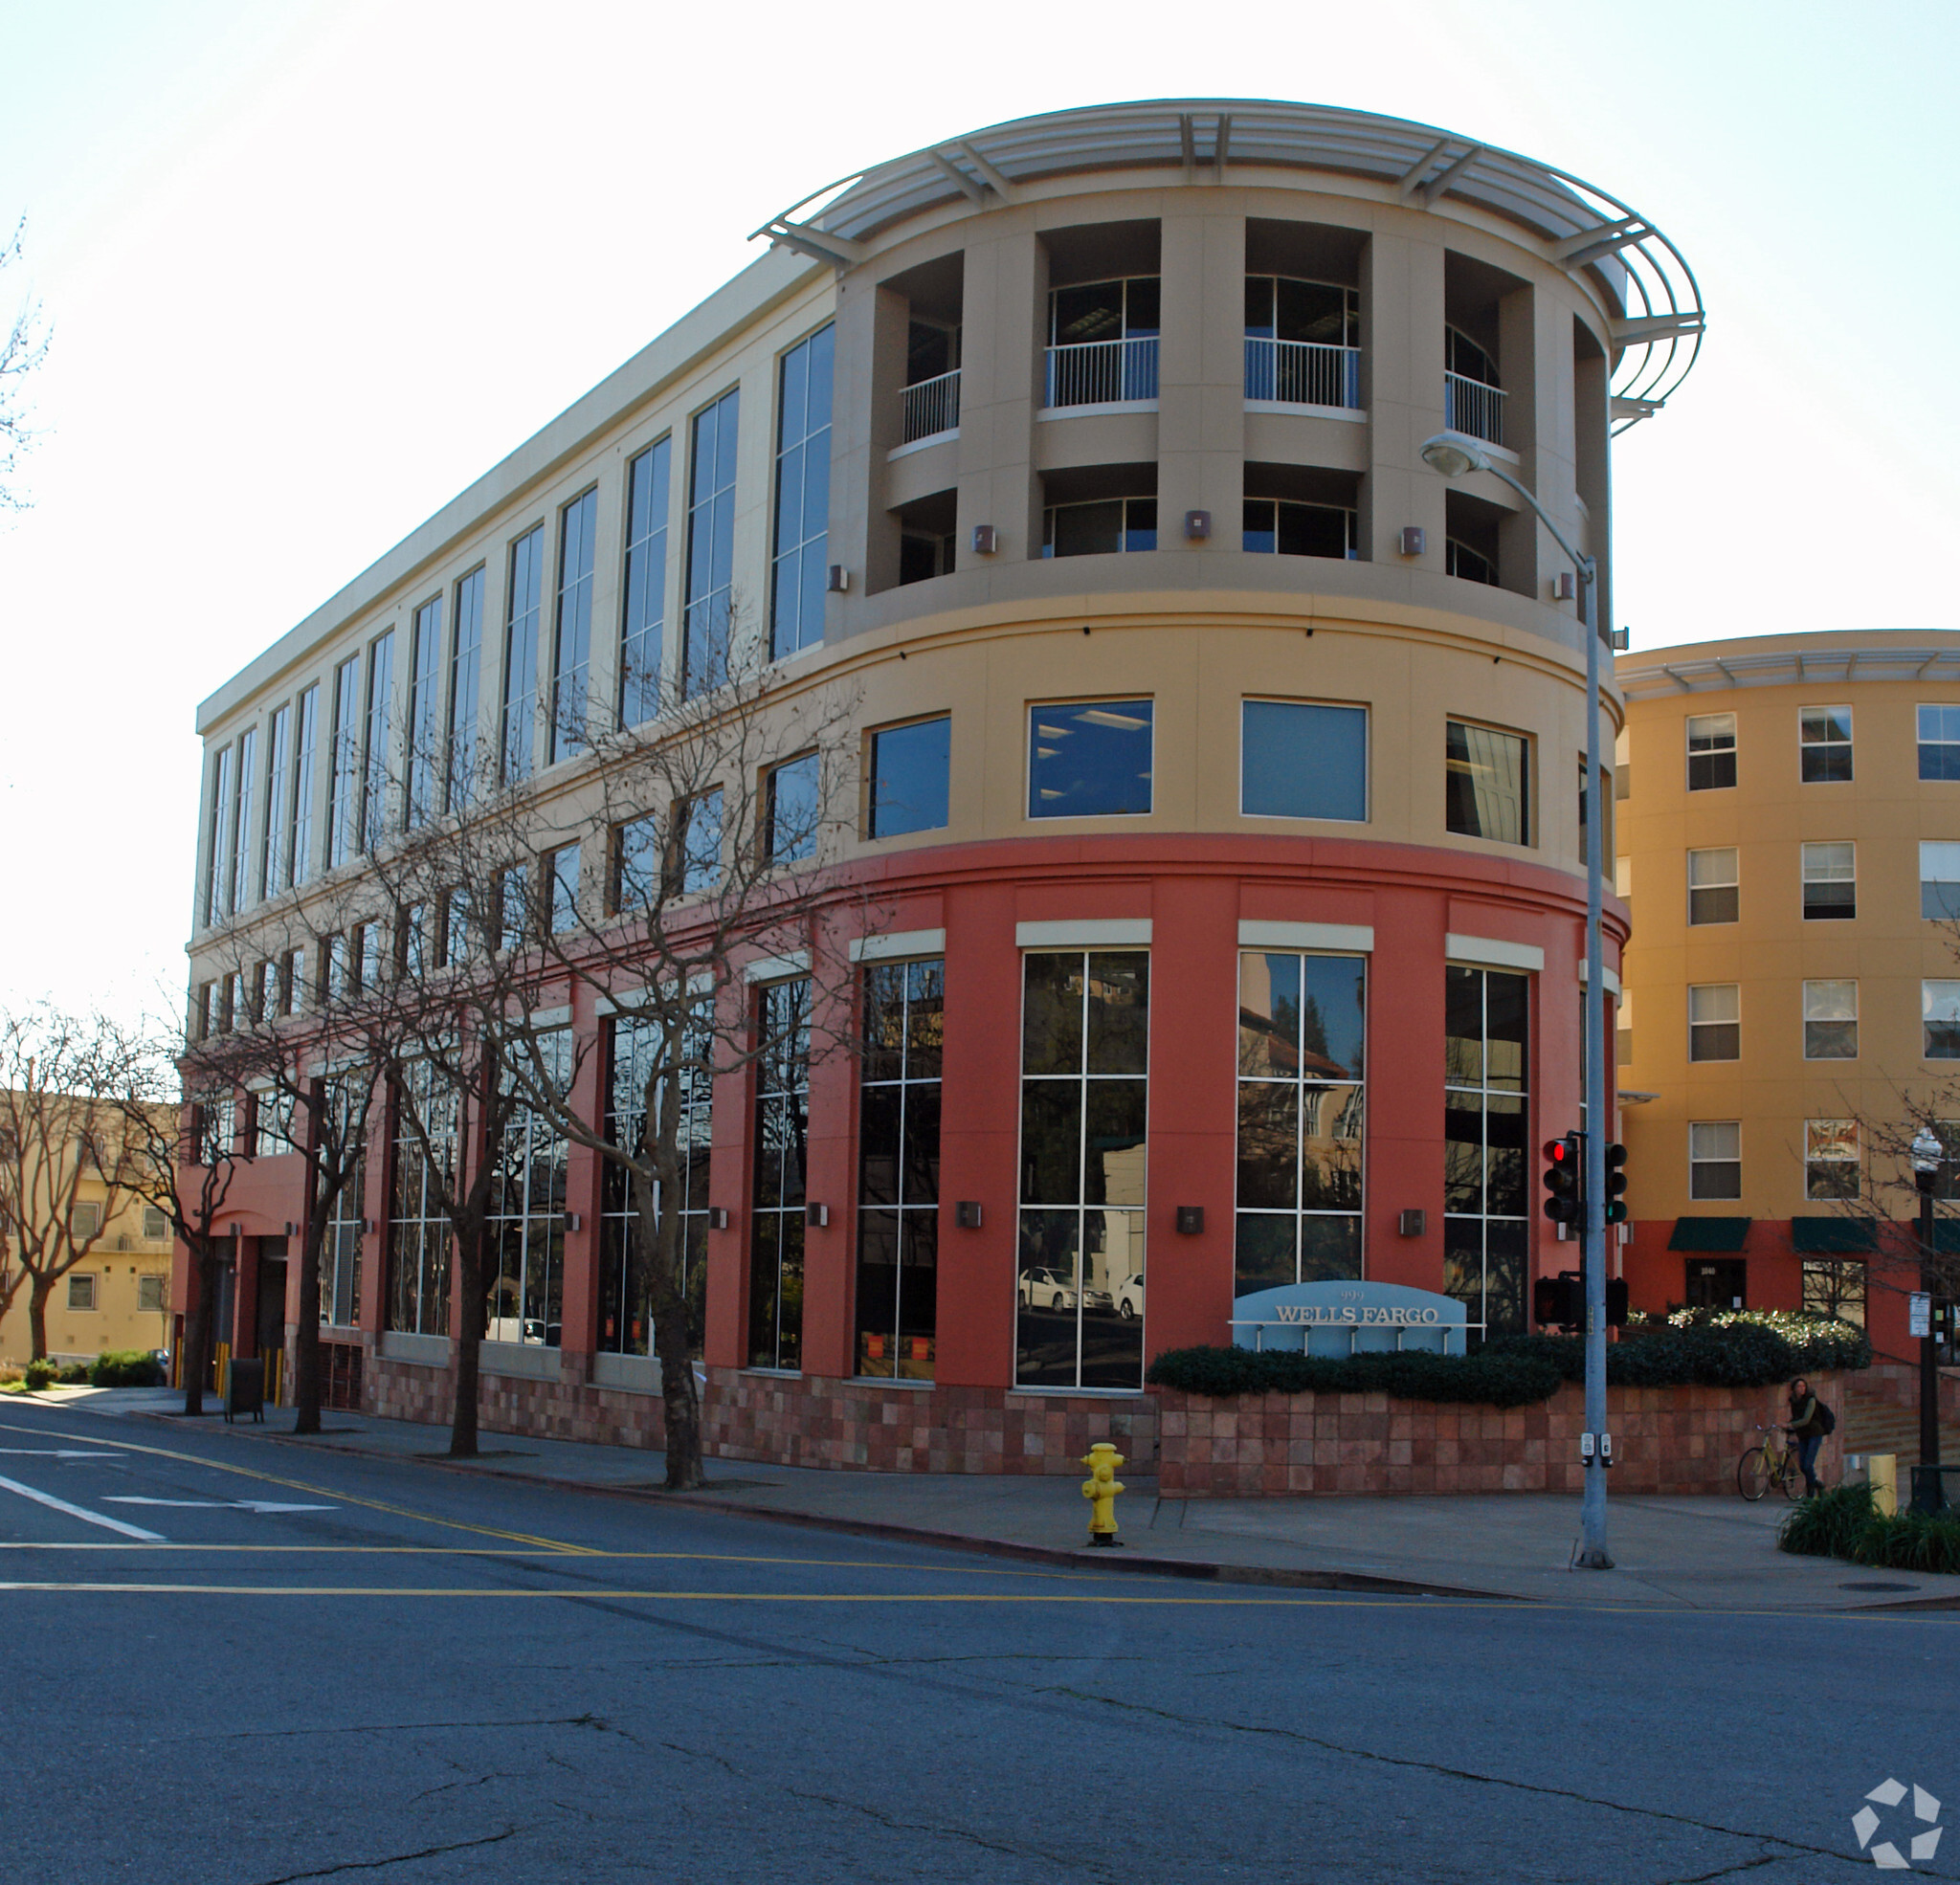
(311, 268)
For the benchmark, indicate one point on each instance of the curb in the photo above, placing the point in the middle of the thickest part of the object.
(1194, 1570)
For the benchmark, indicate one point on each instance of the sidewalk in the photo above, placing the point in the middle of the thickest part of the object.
(1715, 1553)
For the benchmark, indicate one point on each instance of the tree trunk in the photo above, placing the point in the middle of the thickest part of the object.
(680, 1400)
(198, 1335)
(37, 1315)
(469, 1351)
(306, 1341)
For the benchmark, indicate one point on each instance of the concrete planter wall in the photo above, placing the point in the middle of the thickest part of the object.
(1664, 1440)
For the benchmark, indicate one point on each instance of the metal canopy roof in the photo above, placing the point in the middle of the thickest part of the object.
(1655, 336)
(1827, 660)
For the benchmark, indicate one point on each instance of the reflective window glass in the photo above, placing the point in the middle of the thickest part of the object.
(1089, 759)
(1302, 761)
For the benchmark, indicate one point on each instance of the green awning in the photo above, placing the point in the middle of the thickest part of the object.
(1946, 1235)
(1831, 1236)
(1709, 1233)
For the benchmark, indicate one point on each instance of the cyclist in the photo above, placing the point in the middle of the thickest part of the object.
(1807, 1430)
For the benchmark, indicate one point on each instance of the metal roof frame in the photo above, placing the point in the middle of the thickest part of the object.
(1656, 335)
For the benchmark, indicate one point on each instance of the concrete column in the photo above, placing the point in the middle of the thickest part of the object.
(856, 450)
(1402, 387)
(1201, 370)
(1000, 380)
(579, 1285)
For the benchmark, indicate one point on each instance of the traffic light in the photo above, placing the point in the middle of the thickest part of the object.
(1616, 1183)
(1559, 1302)
(1564, 1180)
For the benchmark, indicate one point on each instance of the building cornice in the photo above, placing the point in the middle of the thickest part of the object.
(1833, 660)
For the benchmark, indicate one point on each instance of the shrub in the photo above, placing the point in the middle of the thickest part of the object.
(1845, 1523)
(1827, 1525)
(1731, 1349)
(126, 1367)
(1498, 1381)
(71, 1374)
(39, 1374)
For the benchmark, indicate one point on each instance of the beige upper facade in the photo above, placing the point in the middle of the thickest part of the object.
(1448, 256)
(1793, 776)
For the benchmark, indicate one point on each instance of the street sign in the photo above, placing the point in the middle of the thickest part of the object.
(1919, 1311)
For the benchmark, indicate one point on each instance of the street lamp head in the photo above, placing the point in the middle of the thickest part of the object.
(1454, 453)
(1926, 1150)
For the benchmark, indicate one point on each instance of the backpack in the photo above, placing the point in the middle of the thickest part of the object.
(1827, 1420)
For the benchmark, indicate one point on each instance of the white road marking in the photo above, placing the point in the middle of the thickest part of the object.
(101, 1519)
(215, 1504)
(57, 1453)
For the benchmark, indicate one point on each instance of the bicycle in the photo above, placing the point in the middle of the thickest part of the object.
(1770, 1462)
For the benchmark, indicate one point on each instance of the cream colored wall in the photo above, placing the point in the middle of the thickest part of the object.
(1885, 809)
(120, 1257)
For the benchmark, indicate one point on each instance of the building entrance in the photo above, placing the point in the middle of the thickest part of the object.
(1718, 1283)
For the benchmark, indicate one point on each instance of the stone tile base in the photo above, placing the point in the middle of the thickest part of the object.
(797, 1420)
(1664, 1440)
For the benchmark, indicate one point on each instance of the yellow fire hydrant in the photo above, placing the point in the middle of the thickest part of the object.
(1100, 1489)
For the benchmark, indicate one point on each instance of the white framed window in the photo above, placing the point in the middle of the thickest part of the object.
(85, 1221)
(1830, 1020)
(1823, 744)
(1939, 1008)
(1715, 1021)
(1712, 751)
(1830, 1159)
(1939, 741)
(1714, 887)
(153, 1292)
(1300, 758)
(1715, 1159)
(82, 1290)
(1939, 879)
(1830, 882)
(156, 1224)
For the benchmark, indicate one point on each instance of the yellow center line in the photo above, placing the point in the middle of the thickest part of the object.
(654, 1596)
(320, 1492)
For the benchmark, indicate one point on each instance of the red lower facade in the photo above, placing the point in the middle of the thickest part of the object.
(1190, 904)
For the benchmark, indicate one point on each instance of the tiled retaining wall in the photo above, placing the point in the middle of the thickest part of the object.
(1896, 1384)
(1664, 1440)
(799, 1420)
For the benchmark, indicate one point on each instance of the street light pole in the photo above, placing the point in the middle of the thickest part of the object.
(1453, 454)
(1926, 1154)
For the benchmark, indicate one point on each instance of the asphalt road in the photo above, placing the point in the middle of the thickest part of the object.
(318, 1667)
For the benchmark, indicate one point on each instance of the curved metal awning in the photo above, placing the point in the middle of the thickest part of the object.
(1656, 335)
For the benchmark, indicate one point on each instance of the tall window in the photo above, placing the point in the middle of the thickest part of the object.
(1939, 1007)
(803, 494)
(424, 758)
(898, 1170)
(1939, 743)
(1714, 892)
(339, 1280)
(563, 864)
(241, 819)
(1836, 1286)
(520, 655)
(1298, 761)
(1715, 1159)
(1302, 341)
(626, 1290)
(1830, 1159)
(1086, 1058)
(526, 1228)
(1715, 1021)
(1090, 759)
(1487, 783)
(272, 860)
(710, 547)
(299, 825)
(465, 683)
(910, 769)
(572, 644)
(1830, 1020)
(1823, 744)
(698, 842)
(1712, 751)
(782, 1134)
(418, 1236)
(217, 904)
(642, 624)
(1103, 341)
(374, 784)
(344, 763)
(1486, 1123)
(1302, 1028)
(1830, 882)
(794, 811)
(1939, 879)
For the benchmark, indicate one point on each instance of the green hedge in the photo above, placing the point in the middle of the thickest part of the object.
(1843, 1523)
(40, 1374)
(1731, 1349)
(1488, 1380)
(126, 1367)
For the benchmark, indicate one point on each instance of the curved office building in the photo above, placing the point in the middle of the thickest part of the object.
(1222, 765)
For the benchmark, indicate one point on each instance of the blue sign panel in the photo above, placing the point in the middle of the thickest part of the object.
(1351, 1318)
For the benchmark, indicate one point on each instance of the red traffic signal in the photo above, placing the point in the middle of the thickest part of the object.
(1563, 1201)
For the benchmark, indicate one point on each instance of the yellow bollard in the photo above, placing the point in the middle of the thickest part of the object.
(1882, 1474)
(1100, 1489)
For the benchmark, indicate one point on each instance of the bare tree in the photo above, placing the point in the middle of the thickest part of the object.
(22, 350)
(60, 1079)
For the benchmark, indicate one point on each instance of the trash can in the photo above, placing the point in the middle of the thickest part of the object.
(245, 1389)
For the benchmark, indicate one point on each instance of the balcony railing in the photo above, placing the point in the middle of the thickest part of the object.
(1471, 406)
(1102, 373)
(932, 406)
(1301, 372)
